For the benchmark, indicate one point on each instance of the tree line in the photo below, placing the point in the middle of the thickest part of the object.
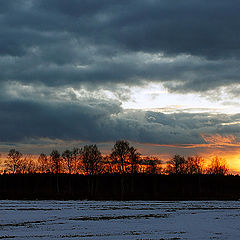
(123, 159)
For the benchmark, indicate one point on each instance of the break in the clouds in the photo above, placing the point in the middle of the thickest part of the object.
(67, 66)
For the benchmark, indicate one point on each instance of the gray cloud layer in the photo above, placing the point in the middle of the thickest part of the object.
(110, 42)
(104, 121)
(50, 46)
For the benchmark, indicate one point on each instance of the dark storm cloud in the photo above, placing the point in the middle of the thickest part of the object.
(194, 27)
(100, 121)
(48, 48)
(26, 119)
(60, 43)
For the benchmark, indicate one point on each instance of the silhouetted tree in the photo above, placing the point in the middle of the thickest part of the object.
(68, 159)
(13, 161)
(1, 162)
(76, 159)
(43, 163)
(91, 159)
(218, 166)
(27, 165)
(108, 165)
(133, 159)
(55, 158)
(177, 165)
(152, 165)
(195, 165)
(120, 153)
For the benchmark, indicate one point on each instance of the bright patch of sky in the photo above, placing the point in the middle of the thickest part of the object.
(152, 97)
(156, 97)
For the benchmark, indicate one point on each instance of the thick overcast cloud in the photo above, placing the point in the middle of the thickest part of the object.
(193, 45)
(49, 48)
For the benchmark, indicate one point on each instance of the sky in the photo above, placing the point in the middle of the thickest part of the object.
(162, 74)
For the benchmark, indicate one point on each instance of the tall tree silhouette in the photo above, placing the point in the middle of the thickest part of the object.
(218, 166)
(75, 155)
(91, 159)
(68, 159)
(43, 163)
(177, 165)
(152, 165)
(13, 161)
(120, 153)
(27, 165)
(133, 158)
(195, 165)
(55, 161)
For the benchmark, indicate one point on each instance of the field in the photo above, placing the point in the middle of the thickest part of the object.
(119, 220)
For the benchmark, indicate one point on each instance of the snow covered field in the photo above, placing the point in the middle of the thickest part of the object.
(119, 220)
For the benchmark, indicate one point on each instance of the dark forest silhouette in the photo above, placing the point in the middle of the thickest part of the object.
(124, 174)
